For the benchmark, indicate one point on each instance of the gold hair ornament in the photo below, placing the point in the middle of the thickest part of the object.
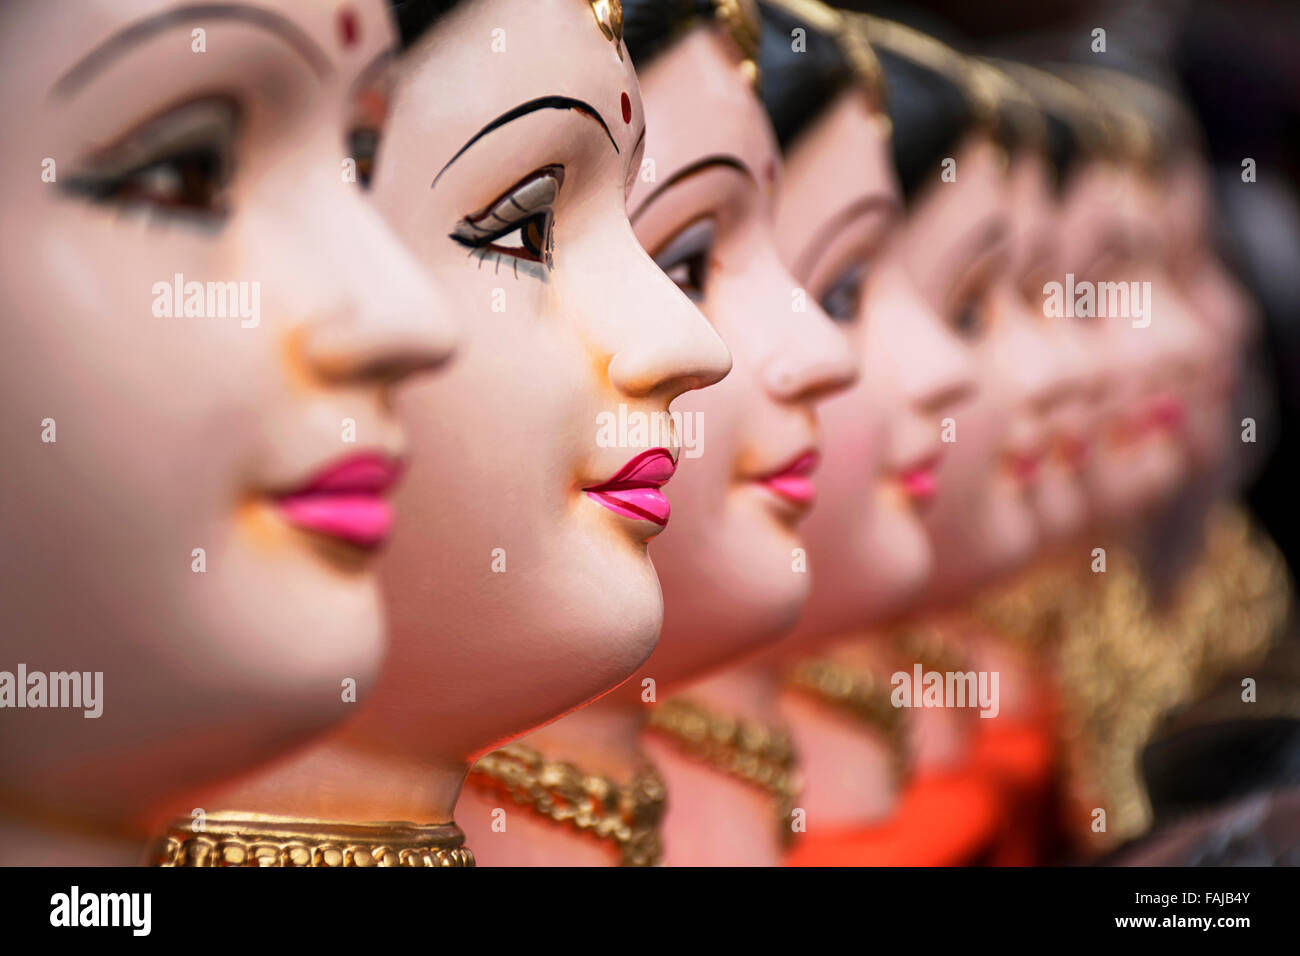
(741, 21)
(923, 49)
(609, 17)
(849, 33)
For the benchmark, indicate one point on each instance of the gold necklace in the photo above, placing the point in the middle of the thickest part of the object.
(626, 816)
(749, 750)
(233, 839)
(858, 693)
(1126, 664)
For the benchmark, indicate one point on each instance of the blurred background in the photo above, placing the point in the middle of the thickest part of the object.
(1237, 64)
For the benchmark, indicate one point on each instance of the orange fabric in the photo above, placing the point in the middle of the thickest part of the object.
(1021, 757)
(943, 819)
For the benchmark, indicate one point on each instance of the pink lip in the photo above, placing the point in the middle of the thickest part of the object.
(634, 491)
(1023, 467)
(920, 482)
(346, 500)
(1072, 449)
(1166, 413)
(794, 482)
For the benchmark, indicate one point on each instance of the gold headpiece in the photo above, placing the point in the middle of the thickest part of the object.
(848, 31)
(1076, 108)
(1114, 96)
(970, 77)
(609, 17)
(741, 21)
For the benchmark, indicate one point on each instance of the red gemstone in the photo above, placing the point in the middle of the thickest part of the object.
(627, 108)
(348, 27)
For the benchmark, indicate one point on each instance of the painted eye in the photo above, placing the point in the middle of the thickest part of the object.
(685, 258)
(528, 240)
(179, 163)
(968, 319)
(844, 297)
(519, 225)
(363, 146)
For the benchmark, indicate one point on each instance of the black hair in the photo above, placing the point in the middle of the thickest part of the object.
(1063, 150)
(931, 115)
(415, 17)
(797, 87)
(652, 26)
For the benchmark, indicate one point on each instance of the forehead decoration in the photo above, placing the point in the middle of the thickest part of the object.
(609, 17)
(850, 33)
(741, 21)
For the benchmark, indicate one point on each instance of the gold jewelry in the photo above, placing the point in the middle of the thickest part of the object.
(628, 817)
(932, 645)
(1053, 94)
(1029, 613)
(921, 48)
(231, 839)
(860, 694)
(741, 21)
(1126, 663)
(748, 750)
(848, 30)
(609, 17)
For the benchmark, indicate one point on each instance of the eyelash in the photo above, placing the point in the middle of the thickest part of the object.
(968, 318)
(849, 284)
(183, 174)
(527, 208)
(363, 145)
(690, 250)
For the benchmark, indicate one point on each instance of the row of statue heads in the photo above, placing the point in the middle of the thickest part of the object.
(358, 350)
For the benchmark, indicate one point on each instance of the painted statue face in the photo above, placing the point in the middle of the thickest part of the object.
(707, 218)
(839, 225)
(519, 593)
(1222, 307)
(983, 521)
(1058, 493)
(256, 427)
(1110, 234)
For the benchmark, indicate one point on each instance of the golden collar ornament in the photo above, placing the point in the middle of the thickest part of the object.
(234, 839)
(753, 752)
(628, 817)
(859, 694)
(1126, 663)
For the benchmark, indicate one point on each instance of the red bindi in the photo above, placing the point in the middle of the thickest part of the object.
(627, 108)
(349, 30)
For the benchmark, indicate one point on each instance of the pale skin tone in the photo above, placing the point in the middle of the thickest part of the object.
(868, 551)
(707, 216)
(1222, 308)
(1138, 459)
(180, 433)
(481, 655)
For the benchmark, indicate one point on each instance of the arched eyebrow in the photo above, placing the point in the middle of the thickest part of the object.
(523, 109)
(825, 233)
(708, 162)
(115, 46)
